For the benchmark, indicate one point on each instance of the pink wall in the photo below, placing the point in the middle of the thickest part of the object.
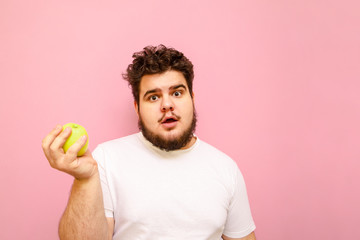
(277, 88)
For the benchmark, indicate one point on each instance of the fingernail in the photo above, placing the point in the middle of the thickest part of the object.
(83, 138)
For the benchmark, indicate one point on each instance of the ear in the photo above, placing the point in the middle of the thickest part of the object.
(136, 106)
(193, 96)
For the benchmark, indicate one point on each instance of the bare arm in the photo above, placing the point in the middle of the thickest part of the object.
(111, 224)
(251, 236)
(84, 216)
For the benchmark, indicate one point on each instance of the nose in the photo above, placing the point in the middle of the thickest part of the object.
(167, 105)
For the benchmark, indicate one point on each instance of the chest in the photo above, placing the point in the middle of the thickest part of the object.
(174, 197)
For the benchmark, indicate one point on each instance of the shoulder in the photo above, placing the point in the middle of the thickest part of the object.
(222, 165)
(216, 156)
(120, 142)
(210, 150)
(117, 146)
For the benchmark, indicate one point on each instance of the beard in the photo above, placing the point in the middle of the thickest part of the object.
(171, 144)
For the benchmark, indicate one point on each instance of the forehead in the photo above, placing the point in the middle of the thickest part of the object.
(162, 81)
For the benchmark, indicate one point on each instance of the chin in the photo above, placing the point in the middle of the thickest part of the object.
(169, 139)
(171, 134)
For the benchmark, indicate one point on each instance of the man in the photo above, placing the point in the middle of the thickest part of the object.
(161, 183)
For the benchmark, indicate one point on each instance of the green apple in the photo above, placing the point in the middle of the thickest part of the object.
(77, 132)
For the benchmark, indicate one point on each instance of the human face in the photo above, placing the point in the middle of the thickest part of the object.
(166, 110)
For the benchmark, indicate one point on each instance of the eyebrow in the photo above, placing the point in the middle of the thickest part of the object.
(177, 86)
(155, 90)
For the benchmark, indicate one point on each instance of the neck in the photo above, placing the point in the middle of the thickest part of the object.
(190, 143)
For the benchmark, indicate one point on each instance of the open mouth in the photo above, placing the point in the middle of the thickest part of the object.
(169, 120)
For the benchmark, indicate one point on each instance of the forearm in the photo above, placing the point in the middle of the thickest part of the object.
(84, 216)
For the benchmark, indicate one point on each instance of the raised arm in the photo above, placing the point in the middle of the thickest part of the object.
(84, 216)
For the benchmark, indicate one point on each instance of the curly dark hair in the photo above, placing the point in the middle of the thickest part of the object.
(157, 59)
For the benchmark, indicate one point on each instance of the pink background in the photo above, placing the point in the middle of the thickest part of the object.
(277, 88)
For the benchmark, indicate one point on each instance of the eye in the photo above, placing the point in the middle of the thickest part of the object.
(153, 98)
(177, 94)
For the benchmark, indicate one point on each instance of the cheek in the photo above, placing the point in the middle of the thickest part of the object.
(148, 114)
(189, 110)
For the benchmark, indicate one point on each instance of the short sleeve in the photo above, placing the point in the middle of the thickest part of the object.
(239, 221)
(99, 156)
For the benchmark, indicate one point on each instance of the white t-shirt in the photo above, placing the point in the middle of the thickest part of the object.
(193, 194)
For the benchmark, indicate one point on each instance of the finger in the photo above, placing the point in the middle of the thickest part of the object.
(72, 152)
(78, 160)
(48, 140)
(87, 153)
(59, 141)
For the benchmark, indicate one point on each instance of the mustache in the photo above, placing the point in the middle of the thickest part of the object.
(172, 114)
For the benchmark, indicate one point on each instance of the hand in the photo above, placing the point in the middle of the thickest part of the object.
(83, 167)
